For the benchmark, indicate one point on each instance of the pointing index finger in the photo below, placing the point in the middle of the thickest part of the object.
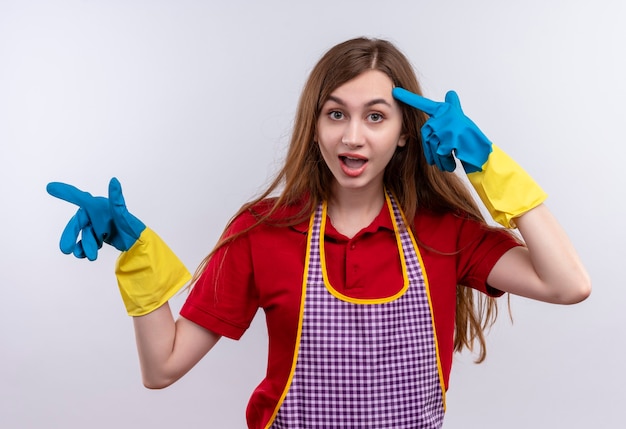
(69, 193)
(422, 103)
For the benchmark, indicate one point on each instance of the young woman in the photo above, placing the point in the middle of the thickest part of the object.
(367, 254)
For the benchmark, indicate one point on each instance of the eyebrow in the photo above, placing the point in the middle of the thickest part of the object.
(368, 104)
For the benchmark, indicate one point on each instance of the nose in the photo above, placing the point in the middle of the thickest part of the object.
(353, 134)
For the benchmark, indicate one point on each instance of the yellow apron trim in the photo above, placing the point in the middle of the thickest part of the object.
(299, 333)
(442, 383)
(350, 299)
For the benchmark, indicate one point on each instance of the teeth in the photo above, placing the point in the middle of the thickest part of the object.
(353, 162)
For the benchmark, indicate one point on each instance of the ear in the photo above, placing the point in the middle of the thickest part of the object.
(402, 140)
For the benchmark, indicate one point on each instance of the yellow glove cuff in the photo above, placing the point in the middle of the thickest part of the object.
(149, 274)
(505, 188)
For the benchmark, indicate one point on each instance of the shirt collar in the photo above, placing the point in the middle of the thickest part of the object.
(381, 221)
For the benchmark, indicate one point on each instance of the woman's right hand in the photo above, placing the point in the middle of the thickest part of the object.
(98, 220)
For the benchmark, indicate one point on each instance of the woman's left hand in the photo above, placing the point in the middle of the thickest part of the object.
(448, 132)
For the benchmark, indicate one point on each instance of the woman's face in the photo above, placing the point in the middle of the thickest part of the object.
(358, 131)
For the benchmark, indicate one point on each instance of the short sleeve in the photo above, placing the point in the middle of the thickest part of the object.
(224, 299)
(480, 247)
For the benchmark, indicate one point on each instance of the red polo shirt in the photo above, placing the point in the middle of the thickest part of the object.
(264, 269)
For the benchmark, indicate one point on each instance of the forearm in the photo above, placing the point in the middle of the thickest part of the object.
(155, 333)
(168, 349)
(558, 274)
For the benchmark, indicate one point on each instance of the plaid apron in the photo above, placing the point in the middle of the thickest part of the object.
(363, 363)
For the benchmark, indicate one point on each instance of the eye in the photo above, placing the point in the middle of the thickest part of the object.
(375, 117)
(335, 115)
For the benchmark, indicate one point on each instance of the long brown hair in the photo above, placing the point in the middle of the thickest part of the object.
(414, 183)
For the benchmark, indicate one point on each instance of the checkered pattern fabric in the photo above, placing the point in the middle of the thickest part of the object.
(364, 365)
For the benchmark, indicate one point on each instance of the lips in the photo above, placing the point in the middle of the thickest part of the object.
(352, 165)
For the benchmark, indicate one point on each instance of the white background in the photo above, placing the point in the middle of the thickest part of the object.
(190, 103)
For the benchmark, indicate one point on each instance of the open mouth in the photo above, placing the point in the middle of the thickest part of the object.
(352, 162)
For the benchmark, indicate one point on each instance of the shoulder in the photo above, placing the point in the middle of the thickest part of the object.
(450, 230)
(269, 213)
(428, 221)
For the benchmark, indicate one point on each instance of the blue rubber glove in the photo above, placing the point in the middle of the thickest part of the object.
(448, 133)
(98, 220)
